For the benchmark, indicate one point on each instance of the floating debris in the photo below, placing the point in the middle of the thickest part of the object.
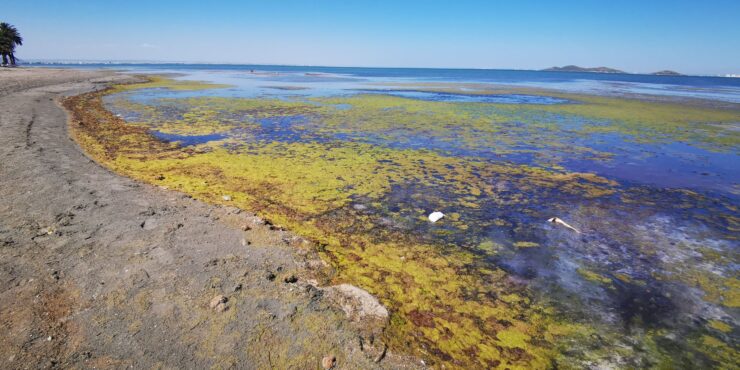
(436, 216)
(560, 222)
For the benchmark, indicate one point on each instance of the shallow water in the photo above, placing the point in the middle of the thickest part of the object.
(356, 162)
(187, 140)
(464, 98)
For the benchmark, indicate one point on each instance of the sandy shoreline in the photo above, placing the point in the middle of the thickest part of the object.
(99, 270)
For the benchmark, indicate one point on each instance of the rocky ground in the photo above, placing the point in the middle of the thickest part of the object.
(100, 271)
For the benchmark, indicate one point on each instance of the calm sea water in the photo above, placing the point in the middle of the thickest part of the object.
(705, 87)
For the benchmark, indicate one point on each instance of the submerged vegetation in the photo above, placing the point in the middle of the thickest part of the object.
(651, 282)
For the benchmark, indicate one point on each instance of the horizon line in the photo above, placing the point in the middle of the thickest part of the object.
(126, 61)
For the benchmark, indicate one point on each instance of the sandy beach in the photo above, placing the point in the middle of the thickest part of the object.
(101, 271)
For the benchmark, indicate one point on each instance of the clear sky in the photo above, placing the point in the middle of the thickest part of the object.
(698, 37)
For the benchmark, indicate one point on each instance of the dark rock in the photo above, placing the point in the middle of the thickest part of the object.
(269, 275)
(290, 279)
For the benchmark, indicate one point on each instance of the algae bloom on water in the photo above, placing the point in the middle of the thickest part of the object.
(641, 270)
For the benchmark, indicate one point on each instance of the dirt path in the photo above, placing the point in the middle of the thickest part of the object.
(97, 270)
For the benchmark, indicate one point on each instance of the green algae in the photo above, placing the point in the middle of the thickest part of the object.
(446, 304)
(711, 128)
(657, 121)
(719, 325)
(164, 82)
(593, 276)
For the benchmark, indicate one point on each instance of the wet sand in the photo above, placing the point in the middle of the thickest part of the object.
(101, 271)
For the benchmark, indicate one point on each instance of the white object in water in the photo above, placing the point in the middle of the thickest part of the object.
(436, 216)
(558, 221)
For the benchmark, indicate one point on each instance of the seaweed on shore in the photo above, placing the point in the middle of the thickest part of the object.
(492, 285)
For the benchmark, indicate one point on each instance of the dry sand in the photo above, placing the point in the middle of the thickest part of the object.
(100, 271)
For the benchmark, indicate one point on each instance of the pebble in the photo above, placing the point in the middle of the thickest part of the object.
(269, 275)
(328, 362)
(217, 301)
(290, 279)
(226, 197)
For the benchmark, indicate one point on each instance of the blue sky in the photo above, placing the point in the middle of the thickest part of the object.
(698, 37)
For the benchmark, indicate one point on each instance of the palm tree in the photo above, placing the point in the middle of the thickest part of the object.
(9, 39)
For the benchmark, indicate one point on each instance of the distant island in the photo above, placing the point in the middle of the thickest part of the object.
(667, 73)
(572, 68)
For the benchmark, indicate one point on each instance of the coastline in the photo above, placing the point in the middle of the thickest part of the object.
(319, 191)
(105, 271)
(426, 292)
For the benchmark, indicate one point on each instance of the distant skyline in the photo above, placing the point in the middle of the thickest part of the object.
(635, 36)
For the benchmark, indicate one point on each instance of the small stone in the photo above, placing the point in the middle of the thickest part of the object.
(328, 362)
(226, 197)
(237, 287)
(217, 300)
(49, 338)
(269, 275)
(160, 177)
(150, 223)
(290, 279)
(221, 307)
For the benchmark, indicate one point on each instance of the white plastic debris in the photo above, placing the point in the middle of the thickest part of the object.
(560, 222)
(436, 216)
